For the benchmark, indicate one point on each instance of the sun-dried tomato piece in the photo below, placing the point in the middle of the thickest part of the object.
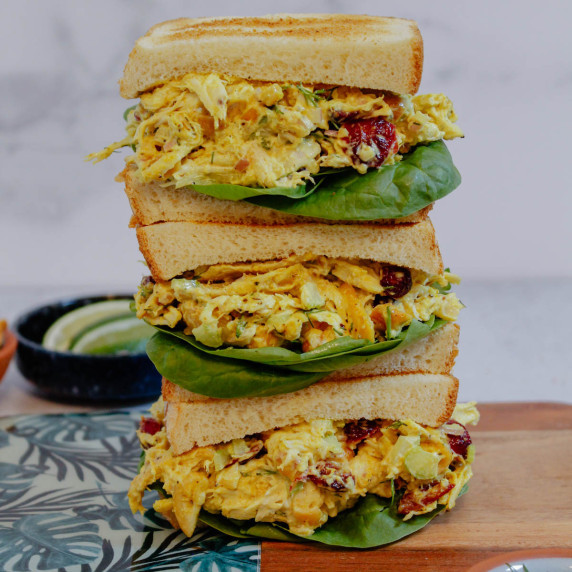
(242, 165)
(416, 500)
(459, 440)
(326, 474)
(149, 425)
(396, 280)
(375, 133)
(147, 281)
(357, 431)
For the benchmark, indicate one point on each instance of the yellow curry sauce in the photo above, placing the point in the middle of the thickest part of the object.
(304, 474)
(307, 300)
(208, 128)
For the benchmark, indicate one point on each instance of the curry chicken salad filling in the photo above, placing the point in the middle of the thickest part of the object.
(213, 129)
(303, 474)
(300, 302)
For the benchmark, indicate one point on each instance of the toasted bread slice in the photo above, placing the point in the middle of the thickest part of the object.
(154, 202)
(171, 248)
(435, 353)
(333, 49)
(428, 399)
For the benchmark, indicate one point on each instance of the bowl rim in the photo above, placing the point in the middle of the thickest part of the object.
(36, 346)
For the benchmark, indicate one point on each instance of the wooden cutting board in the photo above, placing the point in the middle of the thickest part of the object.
(519, 498)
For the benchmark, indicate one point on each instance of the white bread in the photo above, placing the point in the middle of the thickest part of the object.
(434, 353)
(426, 398)
(153, 202)
(335, 49)
(171, 248)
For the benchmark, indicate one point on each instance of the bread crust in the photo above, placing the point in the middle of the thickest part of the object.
(435, 353)
(334, 49)
(428, 399)
(153, 202)
(171, 248)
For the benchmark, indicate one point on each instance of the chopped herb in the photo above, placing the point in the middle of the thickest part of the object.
(396, 425)
(277, 110)
(441, 289)
(314, 310)
(297, 487)
(127, 111)
(334, 123)
(141, 461)
(212, 157)
(388, 323)
(240, 326)
(145, 290)
(311, 97)
(263, 472)
(265, 144)
(263, 120)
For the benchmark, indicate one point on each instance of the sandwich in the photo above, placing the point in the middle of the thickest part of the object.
(305, 323)
(277, 308)
(307, 391)
(276, 119)
(355, 464)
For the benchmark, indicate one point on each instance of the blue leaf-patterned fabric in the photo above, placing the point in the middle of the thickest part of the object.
(221, 555)
(63, 503)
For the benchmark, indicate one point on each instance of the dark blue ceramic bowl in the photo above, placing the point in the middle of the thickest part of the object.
(80, 377)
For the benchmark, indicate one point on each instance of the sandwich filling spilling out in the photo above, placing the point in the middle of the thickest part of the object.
(300, 302)
(304, 474)
(213, 129)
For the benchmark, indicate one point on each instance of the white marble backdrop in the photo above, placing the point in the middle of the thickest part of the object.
(506, 65)
(506, 230)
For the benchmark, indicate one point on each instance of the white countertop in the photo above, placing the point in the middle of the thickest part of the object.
(515, 343)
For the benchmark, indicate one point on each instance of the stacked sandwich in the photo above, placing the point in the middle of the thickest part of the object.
(280, 183)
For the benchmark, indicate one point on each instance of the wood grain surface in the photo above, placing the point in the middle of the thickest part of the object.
(519, 498)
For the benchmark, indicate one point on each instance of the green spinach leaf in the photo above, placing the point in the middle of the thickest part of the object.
(238, 372)
(372, 522)
(423, 176)
(239, 193)
(202, 373)
(246, 529)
